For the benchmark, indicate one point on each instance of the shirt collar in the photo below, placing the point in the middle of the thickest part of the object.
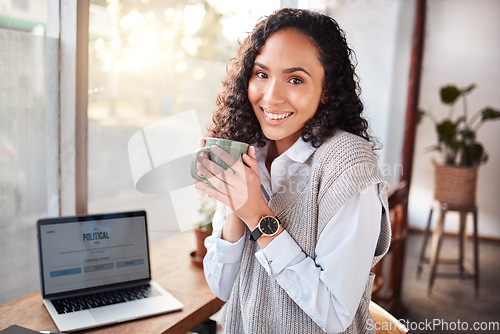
(300, 151)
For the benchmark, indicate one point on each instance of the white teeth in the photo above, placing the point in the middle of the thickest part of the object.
(276, 116)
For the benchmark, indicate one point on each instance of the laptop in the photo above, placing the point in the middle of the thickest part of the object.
(95, 270)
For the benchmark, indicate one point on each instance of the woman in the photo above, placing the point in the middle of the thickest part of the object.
(303, 219)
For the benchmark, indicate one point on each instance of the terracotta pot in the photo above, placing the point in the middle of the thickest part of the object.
(200, 252)
(454, 185)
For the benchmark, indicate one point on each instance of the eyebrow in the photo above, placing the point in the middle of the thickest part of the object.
(286, 70)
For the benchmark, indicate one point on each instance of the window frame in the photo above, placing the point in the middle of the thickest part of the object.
(73, 33)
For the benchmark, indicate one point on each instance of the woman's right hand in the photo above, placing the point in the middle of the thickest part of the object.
(234, 227)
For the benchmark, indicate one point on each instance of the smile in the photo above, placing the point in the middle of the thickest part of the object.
(276, 116)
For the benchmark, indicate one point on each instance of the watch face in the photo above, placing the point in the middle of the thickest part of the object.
(269, 225)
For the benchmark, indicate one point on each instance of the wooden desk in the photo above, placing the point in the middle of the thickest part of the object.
(171, 268)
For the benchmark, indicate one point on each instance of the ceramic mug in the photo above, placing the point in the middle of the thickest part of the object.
(233, 147)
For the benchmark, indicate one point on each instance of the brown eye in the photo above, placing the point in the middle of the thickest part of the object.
(296, 81)
(261, 75)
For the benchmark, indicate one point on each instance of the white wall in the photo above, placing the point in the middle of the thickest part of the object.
(380, 34)
(462, 46)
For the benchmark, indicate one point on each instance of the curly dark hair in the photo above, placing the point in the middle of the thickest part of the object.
(234, 117)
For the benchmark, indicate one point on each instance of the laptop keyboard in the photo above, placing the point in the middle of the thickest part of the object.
(72, 304)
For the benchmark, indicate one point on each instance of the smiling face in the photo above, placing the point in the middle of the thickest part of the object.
(286, 86)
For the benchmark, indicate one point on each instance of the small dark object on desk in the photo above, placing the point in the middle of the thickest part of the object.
(15, 329)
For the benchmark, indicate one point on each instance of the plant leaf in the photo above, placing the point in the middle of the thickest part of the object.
(489, 114)
(472, 154)
(469, 89)
(449, 94)
(420, 115)
(468, 135)
(454, 145)
(447, 130)
(433, 148)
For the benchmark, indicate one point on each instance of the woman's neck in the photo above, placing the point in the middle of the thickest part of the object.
(275, 149)
(272, 153)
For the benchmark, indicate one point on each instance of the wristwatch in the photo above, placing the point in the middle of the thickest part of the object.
(268, 226)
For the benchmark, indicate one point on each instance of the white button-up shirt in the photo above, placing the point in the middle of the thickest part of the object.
(335, 280)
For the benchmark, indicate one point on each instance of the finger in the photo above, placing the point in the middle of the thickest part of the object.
(201, 142)
(220, 191)
(211, 166)
(230, 160)
(250, 160)
(214, 193)
(216, 175)
(251, 152)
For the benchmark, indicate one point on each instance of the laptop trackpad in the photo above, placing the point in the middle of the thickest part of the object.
(119, 312)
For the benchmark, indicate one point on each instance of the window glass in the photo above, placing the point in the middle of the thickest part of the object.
(28, 143)
(24, 15)
(149, 60)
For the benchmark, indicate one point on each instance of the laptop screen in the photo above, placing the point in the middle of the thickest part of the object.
(83, 252)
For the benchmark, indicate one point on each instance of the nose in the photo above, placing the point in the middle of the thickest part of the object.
(274, 93)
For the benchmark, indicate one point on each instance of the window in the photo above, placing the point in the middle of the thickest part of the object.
(147, 61)
(29, 182)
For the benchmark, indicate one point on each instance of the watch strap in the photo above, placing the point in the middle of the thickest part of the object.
(255, 234)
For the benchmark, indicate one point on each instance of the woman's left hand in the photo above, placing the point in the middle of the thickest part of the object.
(240, 191)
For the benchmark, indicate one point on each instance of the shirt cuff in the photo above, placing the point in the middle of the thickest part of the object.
(229, 252)
(274, 259)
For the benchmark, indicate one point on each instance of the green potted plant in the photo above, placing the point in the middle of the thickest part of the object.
(461, 152)
(203, 228)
